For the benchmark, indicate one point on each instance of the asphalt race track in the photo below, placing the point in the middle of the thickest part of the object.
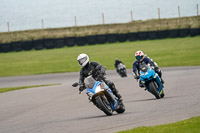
(61, 109)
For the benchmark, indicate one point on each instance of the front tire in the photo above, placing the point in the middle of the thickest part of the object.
(163, 94)
(103, 104)
(153, 89)
(121, 108)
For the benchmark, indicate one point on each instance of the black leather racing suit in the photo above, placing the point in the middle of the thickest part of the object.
(91, 69)
(117, 62)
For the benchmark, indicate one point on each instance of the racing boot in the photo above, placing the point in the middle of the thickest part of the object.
(159, 72)
(162, 81)
(116, 93)
(112, 87)
(142, 85)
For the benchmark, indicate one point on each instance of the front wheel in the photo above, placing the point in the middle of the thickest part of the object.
(153, 88)
(123, 73)
(121, 108)
(104, 105)
(162, 94)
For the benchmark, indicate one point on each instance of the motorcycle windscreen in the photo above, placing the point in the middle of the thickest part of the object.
(147, 75)
(144, 68)
(89, 82)
(104, 86)
(120, 66)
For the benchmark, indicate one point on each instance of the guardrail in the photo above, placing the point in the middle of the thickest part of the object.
(96, 39)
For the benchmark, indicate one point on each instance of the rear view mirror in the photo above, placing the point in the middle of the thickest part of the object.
(75, 84)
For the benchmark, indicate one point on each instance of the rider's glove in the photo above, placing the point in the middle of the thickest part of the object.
(137, 77)
(153, 67)
(89, 96)
(81, 88)
(101, 74)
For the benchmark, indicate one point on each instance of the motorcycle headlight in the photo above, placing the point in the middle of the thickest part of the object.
(155, 75)
(98, 89)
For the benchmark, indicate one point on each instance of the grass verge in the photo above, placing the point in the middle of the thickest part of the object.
(185, 126)
(166, 52)
(134, 26)
(23, 87)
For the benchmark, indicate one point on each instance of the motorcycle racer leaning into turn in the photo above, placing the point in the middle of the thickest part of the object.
(97, 71)
(141, 57)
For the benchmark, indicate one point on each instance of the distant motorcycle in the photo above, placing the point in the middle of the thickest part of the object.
(102, 96)
(121, 70)
(151, 80)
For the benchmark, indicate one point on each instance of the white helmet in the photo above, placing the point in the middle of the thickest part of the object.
(139, 55)
(83, 59)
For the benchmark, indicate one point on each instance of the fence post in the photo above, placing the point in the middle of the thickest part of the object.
(42, 24)
(75, 21)
(158, 13)
(197, 10)
(8, 26)
(179, 14)
(131, 16)
(103, 17)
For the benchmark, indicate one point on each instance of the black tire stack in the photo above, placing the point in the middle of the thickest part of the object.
(96, 39)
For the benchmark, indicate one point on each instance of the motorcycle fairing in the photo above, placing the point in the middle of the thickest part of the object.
(145, 76)
(97, 83)
(114, 104)
(160, 86)
(149, 75)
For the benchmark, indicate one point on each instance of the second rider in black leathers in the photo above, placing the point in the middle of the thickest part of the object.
(97, 71)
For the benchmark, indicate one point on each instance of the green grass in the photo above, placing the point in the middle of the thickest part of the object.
(186, 126)
(166, 52)
(23, 87)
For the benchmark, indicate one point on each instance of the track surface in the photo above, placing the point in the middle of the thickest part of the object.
(60, 109)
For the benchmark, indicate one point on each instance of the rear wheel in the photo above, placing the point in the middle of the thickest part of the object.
(153, 88)
(104, 105)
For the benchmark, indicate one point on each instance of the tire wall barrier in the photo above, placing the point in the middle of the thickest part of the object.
(60, 42)
(96, 39)
(162, 34)
(183, 32)
(112, 38)
(49, 43)
(122, 37)
(173, 33)
(101, 39)
(38, 44)
(16, 46)
(152, 35)
(5, 47)
(81, 41)
(27, 45)
(70, 41)
(91, 40)
(143, 35)
(132, 36)
(194, 32)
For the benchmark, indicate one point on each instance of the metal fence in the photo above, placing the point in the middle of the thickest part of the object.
(104, 21)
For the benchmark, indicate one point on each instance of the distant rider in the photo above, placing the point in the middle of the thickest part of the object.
(117, 62)
(140, 57)
(96, 70)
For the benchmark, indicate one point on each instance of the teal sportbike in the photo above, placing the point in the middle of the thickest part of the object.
(151, 80)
